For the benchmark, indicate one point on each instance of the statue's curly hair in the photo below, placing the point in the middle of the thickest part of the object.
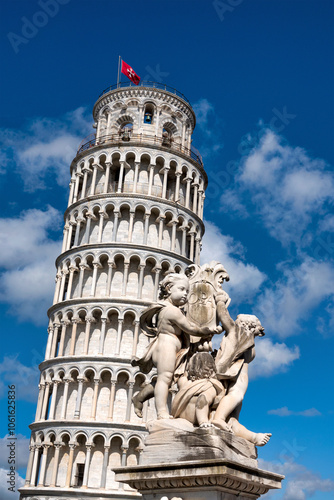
(167, 282)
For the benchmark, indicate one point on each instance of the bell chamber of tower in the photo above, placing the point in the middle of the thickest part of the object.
(134, 214)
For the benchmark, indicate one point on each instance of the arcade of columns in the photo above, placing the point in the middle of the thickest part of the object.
(134, 214)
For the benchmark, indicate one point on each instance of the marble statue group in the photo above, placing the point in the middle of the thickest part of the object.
(210, 384)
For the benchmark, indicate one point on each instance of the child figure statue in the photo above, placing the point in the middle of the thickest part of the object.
(170, 346)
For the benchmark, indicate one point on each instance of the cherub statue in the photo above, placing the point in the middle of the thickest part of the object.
(236, 351)
(198, 391)
(171, 341)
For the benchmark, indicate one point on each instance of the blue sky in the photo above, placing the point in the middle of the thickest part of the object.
(260, 77)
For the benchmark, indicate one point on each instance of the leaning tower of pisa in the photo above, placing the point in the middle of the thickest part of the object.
(134, 214)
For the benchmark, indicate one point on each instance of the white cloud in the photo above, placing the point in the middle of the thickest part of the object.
(300, 482)
(290, 301)
(27, 262)
(245, 279)
(21, 451)
(25, 378)
(285, 412)
(271, 358)
(4, 493)
(46, 146)
(284, 186)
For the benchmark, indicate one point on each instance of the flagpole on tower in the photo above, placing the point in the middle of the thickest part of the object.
(119, 69)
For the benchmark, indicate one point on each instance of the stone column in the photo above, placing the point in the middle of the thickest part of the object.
(46, 446)
(96, 266)
(188, 181)
(120, 180)
(75, 322)
(195, 197)
(40, 402)
(70, 282)
(81, 277)
(54, 340)
(69, 235)
(141, 280)
(202, 206)
(135, 338)
(57, 445)
(157, 271)
(58, 281)
(49, 343)
(125, 277)
(53, 399)
(95, 395)
(161, 229)
(177, 187)
(150, 181)
(112, 399)
(45, 401)
(29, 466)
(103, 215)
(129, 402)
(132, 216)
(172, 246)
(65, 236)
(164, 184)
(111, 265)
(87, 333)
(135, 178)
(114, 230)
(183, 134)
(86, 237)
(70, 198)
(70, 465)
(79, 397)
(184, 240)
(87, 464)
(124, 451)
(146, 226)
(119, 336)
(62, 285)
(92, 187)
(102, 335)
(34, 465)
(106, 180)
(104, 467)
(76, 188)
(62, 337)
(192, 241)
(77, 231)
(65, 397)
(84, 182)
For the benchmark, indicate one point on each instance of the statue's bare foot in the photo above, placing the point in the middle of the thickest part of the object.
(261, 439)
(138, 406)
(164, 414)
(221, 424)
(203, 425)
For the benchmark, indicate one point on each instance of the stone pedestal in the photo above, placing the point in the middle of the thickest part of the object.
(217, 479)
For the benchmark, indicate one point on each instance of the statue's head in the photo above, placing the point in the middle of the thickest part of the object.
(176, 287)
(251, 323)
(201, 365)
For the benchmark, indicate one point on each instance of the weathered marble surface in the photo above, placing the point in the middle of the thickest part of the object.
(177, 440)
(218, 479)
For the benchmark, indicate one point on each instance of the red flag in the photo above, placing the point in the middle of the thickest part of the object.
(128, 71)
